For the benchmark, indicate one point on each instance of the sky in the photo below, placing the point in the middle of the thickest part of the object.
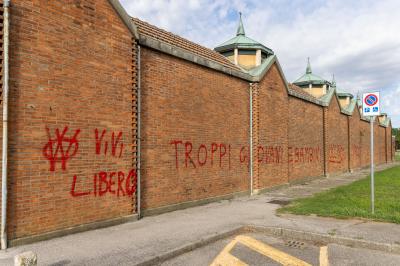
(357, 41)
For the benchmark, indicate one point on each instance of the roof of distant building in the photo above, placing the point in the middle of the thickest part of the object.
(340, 92)
(163, 39)
(241, 41)
(300, 91)
(310, 78)
(344, 94)
(154, 32)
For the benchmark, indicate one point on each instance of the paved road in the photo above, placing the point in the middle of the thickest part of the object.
(259, 249)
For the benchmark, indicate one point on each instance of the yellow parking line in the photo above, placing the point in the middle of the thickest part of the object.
(323, 256)
(225, 258)
(273, 253)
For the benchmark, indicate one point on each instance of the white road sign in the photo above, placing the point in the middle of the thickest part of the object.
(371, 108)
(371, 104)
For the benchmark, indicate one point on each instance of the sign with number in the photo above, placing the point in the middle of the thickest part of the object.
(371, 104)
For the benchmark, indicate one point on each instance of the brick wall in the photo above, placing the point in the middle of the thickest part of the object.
(356, 140)
(271, 155)
(359, 141)
(71, 75)
(376, 143)
(73, 83)
(365, 134)
(1, 78)
(306, 144)
(389, 144)
(392, 143)
(195, 131)
(337, 138)
(382, 144)
(379, 143)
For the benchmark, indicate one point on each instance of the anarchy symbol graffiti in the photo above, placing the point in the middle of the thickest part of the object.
(61, 148)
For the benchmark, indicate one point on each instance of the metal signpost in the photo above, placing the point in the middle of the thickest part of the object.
(371, 108)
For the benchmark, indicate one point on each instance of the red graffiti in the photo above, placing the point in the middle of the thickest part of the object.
(176, 142)
(114, 183)
(270, 154)
(336, 153)
(188, 150)
(116, 143)
(304, 154)
(244, 155)
(73, 192)
(61, 148)
(203, 154)
(203, 150)
(222, 153)
(214, 148)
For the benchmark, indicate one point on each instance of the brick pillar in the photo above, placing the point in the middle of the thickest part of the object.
(255, 94)
(349, 145)
(134, 84)
(386, 146)
(1, 84)
(325, 134)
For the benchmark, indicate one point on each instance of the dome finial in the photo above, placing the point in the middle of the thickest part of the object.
(308, 70)
(240, 30)
(333, 81)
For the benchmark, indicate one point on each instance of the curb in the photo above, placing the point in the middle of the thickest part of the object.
(189, 247)
(327, 239)
(275, 232)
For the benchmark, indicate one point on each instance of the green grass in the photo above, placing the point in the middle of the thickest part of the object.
(354, 200)
(397, 156)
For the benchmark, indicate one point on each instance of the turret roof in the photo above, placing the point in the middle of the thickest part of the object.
(241, 41)
(310, 78)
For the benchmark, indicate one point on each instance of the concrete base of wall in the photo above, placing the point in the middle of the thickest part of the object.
(194, 203)
(305, 179)
(360, 168)
(290, 183)
(72, 230)
(269, 189)
(337, 173)
(367, 167)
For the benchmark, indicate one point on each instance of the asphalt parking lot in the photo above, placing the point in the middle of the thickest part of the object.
(260, 249)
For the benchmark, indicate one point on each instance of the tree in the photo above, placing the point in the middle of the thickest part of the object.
(396, 133)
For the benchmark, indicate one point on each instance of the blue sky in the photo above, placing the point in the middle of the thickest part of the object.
(358, 41)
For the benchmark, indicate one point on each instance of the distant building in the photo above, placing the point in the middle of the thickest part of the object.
(313, 84)
(243, 51)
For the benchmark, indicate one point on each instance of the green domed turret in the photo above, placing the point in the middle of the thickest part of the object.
(242, 50)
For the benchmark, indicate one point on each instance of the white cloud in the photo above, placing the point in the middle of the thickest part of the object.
(391, 103)
(356, 40)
